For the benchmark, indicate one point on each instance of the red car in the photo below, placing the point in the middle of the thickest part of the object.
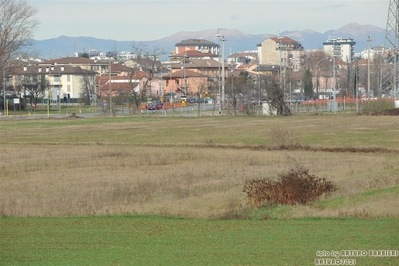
(159, 106)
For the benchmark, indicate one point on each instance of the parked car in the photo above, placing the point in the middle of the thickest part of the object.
(152, 107)
(191, 100)
(159, 106)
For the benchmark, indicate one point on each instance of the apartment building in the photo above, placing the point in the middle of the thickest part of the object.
(281, 51)
(343, 49)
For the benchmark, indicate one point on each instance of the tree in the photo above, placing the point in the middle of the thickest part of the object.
(87, 82)
(16, 28)
(16, 31)
(238, 88)
(307, 82)
(32, 87)
(275, 93)
(142, 69)
(85, 55)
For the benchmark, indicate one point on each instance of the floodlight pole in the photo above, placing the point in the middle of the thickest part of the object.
(223, 74)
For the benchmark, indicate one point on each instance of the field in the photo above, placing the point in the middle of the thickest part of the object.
(168, 191)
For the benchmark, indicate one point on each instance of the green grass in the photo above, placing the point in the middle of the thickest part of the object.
(148, 240)
(363, 197)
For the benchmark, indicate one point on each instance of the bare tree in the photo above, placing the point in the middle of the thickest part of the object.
(16, 28)
(141, 71)
(32, 87)
(275, 94)
(238, 88)
(87, 82)
(201, 85)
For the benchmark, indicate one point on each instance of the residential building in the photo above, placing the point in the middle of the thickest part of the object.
(125, 80)
(185, 82)
(375, 52)
(187, 74)
(243, 58)
(57, 81)
(194, 68)
(343, 49)
(282, 51)
(203, 46)
(99, 66)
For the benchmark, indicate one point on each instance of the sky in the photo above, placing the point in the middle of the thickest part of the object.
(134, 20)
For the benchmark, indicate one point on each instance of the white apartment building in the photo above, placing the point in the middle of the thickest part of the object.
(343, 49)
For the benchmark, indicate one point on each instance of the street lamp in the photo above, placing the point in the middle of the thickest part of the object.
(220, 97)
(184, 75)
(368, 69)
(222, 39)
(279, 48)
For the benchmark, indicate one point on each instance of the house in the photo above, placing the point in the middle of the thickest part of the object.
(193, 71)
(125, 80)
(185, 82)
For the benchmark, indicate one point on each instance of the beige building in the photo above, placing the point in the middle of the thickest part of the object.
(54, 82)
(281, 51)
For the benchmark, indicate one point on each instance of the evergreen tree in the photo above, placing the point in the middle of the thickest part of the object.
(308, 84)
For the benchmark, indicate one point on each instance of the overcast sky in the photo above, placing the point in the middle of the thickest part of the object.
(128, 20)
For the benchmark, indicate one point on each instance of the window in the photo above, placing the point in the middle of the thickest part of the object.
(57, 78)
(68, 88)
(167, 83)
(69, 78)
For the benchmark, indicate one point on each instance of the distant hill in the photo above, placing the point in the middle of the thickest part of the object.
(235, 40)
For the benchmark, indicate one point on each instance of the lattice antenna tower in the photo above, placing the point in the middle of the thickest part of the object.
(389, 77)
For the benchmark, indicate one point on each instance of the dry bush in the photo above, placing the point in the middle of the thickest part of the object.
(295, 187)
(377, 106)
(282, 137)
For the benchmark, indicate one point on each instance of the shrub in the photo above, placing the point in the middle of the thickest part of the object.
(295, 187)
(376, 106)
(283, 138)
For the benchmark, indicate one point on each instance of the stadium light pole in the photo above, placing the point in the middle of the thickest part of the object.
(368, 68)
(220, 93)
(222, 39)
(4, 91)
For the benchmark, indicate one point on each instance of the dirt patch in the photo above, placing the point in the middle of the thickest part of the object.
(75, 116)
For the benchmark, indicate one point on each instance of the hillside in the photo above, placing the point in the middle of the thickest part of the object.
(235, 40)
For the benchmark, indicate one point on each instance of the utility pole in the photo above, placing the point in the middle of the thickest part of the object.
(110, 86)
(368, 69)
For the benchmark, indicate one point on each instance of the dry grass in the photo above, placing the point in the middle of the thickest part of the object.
(110, 168)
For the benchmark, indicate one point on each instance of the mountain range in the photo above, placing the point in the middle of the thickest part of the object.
(236, 41)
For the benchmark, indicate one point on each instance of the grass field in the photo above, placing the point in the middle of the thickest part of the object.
(141, 240)
(109, 190)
